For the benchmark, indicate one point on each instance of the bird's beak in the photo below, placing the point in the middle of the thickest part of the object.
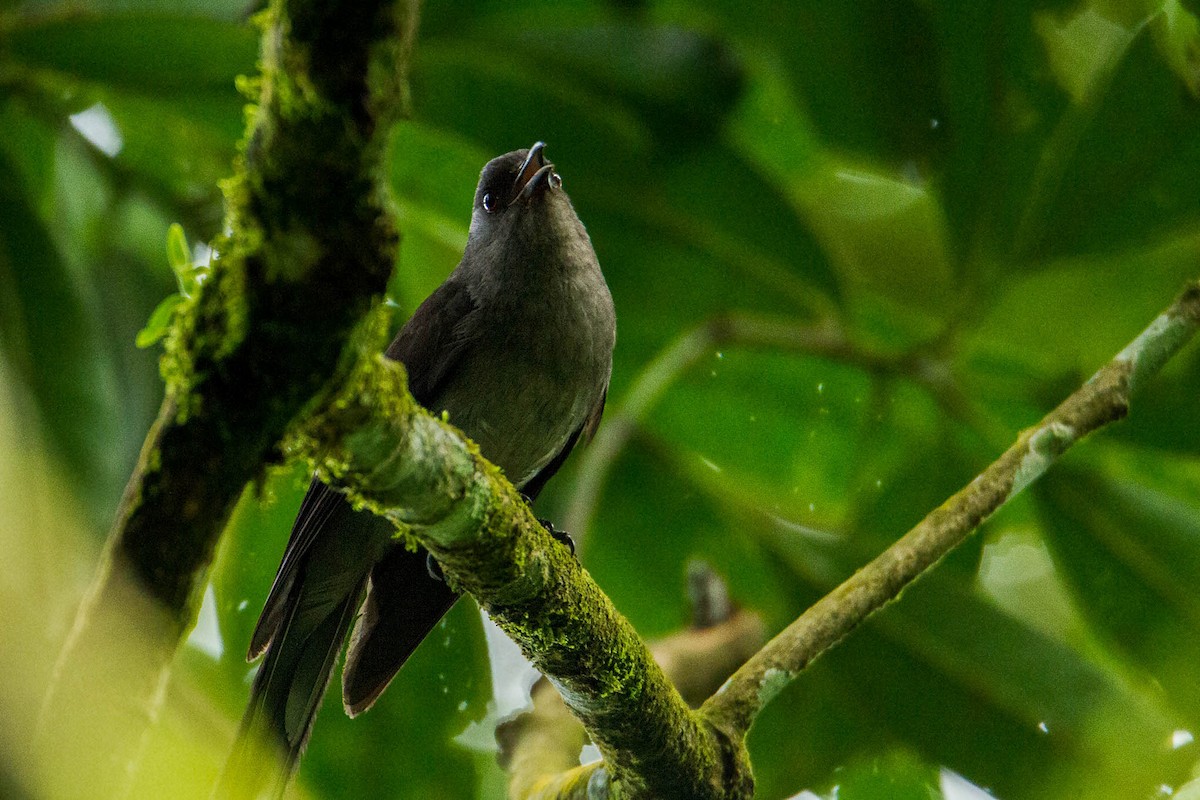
(534, 176)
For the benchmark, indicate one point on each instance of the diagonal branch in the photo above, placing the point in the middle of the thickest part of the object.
(1102, 400)
(540, 748)
(418, 471)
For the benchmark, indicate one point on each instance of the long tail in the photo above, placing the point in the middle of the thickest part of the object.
(286, 696)
(333, 555)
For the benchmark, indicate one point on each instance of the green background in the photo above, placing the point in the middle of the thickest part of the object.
(1008, 189)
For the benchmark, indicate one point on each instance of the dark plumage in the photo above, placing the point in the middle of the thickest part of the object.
(516, 346)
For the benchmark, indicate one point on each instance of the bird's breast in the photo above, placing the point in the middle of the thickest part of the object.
(534, 377)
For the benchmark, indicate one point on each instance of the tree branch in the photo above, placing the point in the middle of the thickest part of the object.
(1102, 400)
(418, 471)
(311, 244)
(540, 748)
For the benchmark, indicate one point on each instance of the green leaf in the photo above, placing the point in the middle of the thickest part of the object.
(949, 674)
(1164, 416)
(644, 575)
(188, 275)
(141, 52)
(178, 254)
(879, 231)
(781, 426)
(159, 322)
(910, 486)
(1132, 555)
(680, 81)
(1122, 173)
(175, 150)
(894, 776)
(408, 739)
(433, 175)
(996, 112)
(1189, 791)
(28, 143)
(50, 336)
(1066, 321)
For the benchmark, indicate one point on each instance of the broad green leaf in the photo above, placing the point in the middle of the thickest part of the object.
(991, 706)
(1132, 555)
(644, 574)
(141, 52)
(512, 104)
(680, 81)
(863, 72)
(807, 735)
(884, 232)
(895, 776)
(996, 112)
(878, 230)
(1163, 415)
(1176, 31)
(1069, 320)
(690, 201)
(1189, 791)
(917, 483)
(408, 738)
(782, 426)
(176, 151)
(923, 673)
(50, 336)
(433, 175)
(28, 143)
(1121, 173)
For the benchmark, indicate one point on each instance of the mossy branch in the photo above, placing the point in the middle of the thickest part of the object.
(1103, 399)
(540, 748)
(311, 244)
(404, 464)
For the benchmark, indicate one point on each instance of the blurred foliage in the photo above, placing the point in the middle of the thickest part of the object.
(1006, 188)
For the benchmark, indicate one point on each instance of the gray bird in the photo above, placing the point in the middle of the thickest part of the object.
(516, 346)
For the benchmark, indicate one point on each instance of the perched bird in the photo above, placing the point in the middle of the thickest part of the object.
(516, 346)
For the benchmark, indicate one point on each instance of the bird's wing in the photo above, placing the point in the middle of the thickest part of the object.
(593, 419)
(403, 601)
(319, 504)
(302, 630)
(403, 605)
(582, 435)
(429, 345)
(432, 341)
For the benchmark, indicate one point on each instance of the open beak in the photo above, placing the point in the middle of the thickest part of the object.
(534, 176)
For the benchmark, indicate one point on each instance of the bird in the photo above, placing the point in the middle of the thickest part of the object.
(516, 348)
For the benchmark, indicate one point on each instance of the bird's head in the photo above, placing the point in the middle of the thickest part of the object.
(521, 212)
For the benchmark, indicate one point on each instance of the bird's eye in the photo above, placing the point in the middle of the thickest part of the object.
(490, 203)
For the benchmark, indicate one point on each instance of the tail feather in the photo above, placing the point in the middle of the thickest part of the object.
(285, 698)
(403, 605)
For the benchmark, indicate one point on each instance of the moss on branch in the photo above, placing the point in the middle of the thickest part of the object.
(417, 470)
(311, 244)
